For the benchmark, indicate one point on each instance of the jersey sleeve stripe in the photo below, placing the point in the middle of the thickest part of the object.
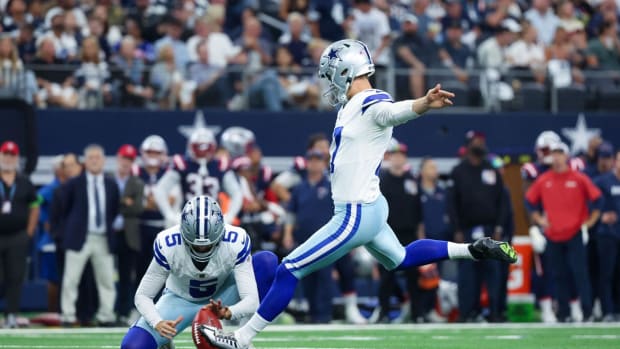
(244, 252)
(179, 163)
(376, 98)
(159, 257)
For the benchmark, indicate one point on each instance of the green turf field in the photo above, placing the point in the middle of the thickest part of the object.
(475, 336)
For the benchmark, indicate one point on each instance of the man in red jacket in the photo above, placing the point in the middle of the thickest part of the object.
(566, 197)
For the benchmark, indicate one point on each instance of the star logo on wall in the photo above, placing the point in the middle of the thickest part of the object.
(580, 135)
(199, 122)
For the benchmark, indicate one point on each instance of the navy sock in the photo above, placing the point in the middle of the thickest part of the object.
(265, 264)
(279, 295)
(424, 251)
(138, 338)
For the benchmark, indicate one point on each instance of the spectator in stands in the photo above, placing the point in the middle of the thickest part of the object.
(15, 79)
(419, 9)
(327, 19)
(600, 12)
(134, 92)
(263, 87)
(526, 56)
(174, 29)
(473, 12)
(392, 11)
(477, 209)
(567, 16)
(97, 28)
(26, 44)
(35, 9)
(55, 33)
(127, 228)
(301, 91)
(412, 51)
(565, 196)
(492, 58)
(491, 52)
(608, 236)
(454, 55)
(371, 26)
(91, 203)
(221, 49)
(71, 36)
(54, 83)
(542, 17)
(561, 59)
(166, 79)
(496, 13)
(605, 49)
(212, 88)
(92, 78)
(18, 220)
(309, 208)
(65, 6)
(455, 15)
(147, 19)
(400, 189)
(296, 39)
(237, 11)
(15, 17)
(144, 49)
(289, 6)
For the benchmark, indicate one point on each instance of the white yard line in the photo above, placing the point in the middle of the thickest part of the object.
(596, 336)
(326, 328)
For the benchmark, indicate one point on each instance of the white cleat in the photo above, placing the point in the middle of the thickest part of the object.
(220, 339)
(575, 311)
(353, 316)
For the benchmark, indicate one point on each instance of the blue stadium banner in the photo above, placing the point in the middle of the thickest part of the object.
(284, 134)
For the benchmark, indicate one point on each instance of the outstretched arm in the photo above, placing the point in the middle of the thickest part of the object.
(400, 112)
(152, 282)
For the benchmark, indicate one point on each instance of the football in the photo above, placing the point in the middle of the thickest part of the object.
(204, 317)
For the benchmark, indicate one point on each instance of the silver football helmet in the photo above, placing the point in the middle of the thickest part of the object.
(153, 150)
(202, 144)
(238, 141)
(202, 227)
(544, 141)
(340, 63)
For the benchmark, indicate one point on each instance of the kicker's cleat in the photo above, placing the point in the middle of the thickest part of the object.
(219, 339)
(486, 248)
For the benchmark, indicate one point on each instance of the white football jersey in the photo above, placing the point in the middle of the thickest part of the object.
(184, 279)
(357, 148)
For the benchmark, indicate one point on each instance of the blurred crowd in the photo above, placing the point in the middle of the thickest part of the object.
(241, 54)
(94, 231)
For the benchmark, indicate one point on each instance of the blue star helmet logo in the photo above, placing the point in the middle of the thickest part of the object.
(333, 53)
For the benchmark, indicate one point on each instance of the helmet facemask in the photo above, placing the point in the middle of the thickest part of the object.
(202, 227)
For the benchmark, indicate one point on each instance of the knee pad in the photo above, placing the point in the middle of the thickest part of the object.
(138, 338)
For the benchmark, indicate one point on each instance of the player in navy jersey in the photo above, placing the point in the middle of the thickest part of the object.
(199, 173)
(154, 162)
(608, 231)
(363, 130)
